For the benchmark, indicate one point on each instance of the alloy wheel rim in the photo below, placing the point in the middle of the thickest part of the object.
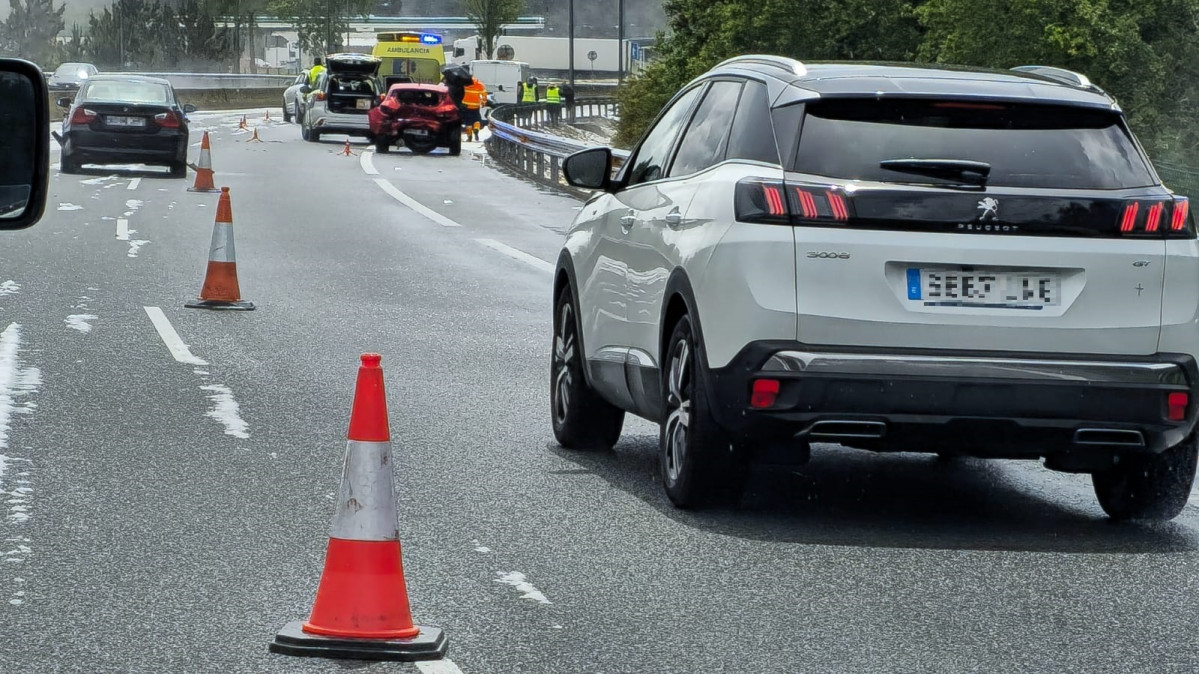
(564, 353)
(678, 404)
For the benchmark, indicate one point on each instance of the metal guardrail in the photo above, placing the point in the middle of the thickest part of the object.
(517, 144)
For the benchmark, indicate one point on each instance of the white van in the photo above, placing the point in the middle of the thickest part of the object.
(501, 78)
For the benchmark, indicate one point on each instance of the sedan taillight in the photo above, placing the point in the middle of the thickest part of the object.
(167, 120)
(83, 116)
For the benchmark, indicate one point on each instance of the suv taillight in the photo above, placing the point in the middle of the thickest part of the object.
(776, 202)
(82, 116)
(167, 120)
(1156, 218)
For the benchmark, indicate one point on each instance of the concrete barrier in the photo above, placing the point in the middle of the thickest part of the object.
(208, 99)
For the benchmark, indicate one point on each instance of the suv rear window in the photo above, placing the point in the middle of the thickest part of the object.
(417, 97)
(1026, 145)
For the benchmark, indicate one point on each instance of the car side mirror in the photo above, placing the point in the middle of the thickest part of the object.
(63, 102)
(305, 89)
(590, 169)
(189, 109)
(24, 143)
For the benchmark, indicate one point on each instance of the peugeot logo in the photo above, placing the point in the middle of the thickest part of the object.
(990, 209)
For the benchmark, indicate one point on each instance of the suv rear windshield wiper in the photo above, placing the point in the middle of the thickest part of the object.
(963, 170)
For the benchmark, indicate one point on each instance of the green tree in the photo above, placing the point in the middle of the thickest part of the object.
(489, 17)
(1143, 52)
(31, 29)
(76, 49)
(701, 33)
(321, 23)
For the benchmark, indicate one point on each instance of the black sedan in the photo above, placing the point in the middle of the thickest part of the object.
(125, 119)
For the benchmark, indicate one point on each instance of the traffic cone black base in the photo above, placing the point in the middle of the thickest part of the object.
(430, 644)
(240, 305)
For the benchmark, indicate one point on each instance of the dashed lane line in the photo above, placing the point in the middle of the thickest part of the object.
(366, 161)
(134, 183)
(438, 667)
(535, 262)
(174, 344)
(122, 229)
(395, 193)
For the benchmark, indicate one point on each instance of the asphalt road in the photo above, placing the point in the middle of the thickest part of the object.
(166, 516)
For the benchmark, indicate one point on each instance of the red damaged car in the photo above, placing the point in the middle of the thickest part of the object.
(423, 116)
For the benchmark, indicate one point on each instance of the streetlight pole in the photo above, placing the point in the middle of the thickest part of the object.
(571, 46)
(620, 41)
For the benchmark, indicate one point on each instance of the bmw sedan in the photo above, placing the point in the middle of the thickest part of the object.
(125, 119)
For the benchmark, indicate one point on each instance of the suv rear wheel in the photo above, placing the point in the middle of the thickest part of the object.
(581, 418)
(700, 463)
(1151, 487)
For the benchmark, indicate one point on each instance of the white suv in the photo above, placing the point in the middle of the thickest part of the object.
(892, 258)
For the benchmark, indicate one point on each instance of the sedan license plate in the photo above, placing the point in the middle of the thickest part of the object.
(989, 288)
(128, 122)
(417, 132)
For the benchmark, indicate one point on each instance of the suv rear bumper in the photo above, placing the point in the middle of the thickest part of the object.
(1080, 409)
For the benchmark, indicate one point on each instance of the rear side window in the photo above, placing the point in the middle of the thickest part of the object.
(650, 162)
(703, 143)
(753, 135)
(417, 97)
(1025, 145)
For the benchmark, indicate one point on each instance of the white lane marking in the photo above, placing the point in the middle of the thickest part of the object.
(226, 410)
(367, 163)
(517, 579)
(9, 287)
(69, 207)
(134, 183)
(97, 181)
(515, 254)
(136, 245)
(122, 229)
(395, 193)
(438, 667)
(174, 344)
(80, 322)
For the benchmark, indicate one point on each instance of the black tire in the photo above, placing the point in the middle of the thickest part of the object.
(286, 114)
(581, 418)
(419, 146)
(304, 132)
(299, 114)
(700, 464)
(456, 143)
(314, 135)
(178, 169)
(69, 165)
(1150, 487)
(382, 145)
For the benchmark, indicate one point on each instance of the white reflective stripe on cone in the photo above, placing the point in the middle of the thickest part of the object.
(366, 508)
(222, 243)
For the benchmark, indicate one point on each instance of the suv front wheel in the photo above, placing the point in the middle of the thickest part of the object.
(1149, 487)
(700, 463)
(581, 418)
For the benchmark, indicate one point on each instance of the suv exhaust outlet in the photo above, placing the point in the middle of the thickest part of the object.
(846, 428)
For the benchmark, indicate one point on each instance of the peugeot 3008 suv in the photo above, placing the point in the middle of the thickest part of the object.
(891, 258)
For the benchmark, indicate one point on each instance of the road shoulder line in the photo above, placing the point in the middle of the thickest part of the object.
(395, 193)
(535, 262)
(366, 160)
(170, 338)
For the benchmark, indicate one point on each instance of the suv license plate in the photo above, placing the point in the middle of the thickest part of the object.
(115, 120)
(417, 132)
(995, 288)
(363, 104)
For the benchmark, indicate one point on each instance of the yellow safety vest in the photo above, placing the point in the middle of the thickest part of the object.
(528, 94)
(552, 96)
(313, 74)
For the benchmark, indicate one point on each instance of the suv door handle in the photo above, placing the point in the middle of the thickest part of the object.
(674, 218)
(626, 221)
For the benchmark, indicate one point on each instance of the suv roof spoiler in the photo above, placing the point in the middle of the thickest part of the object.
(1062, 75)
(790, 65)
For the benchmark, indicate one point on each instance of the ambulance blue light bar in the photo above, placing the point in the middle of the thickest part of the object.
(429, 38)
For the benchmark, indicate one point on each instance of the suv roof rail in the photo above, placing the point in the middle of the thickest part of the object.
(1062, 75)
(791, 65)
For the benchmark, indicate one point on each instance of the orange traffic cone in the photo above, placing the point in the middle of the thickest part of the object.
(220, 289)
(361, 610)
(243, 123)
(267, 118)
(255, 138)
(204, 174)
(345, 152)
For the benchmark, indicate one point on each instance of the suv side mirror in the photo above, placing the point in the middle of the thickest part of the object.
(305, 89)
(24, 143)
(590, 169)
(189, 108)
